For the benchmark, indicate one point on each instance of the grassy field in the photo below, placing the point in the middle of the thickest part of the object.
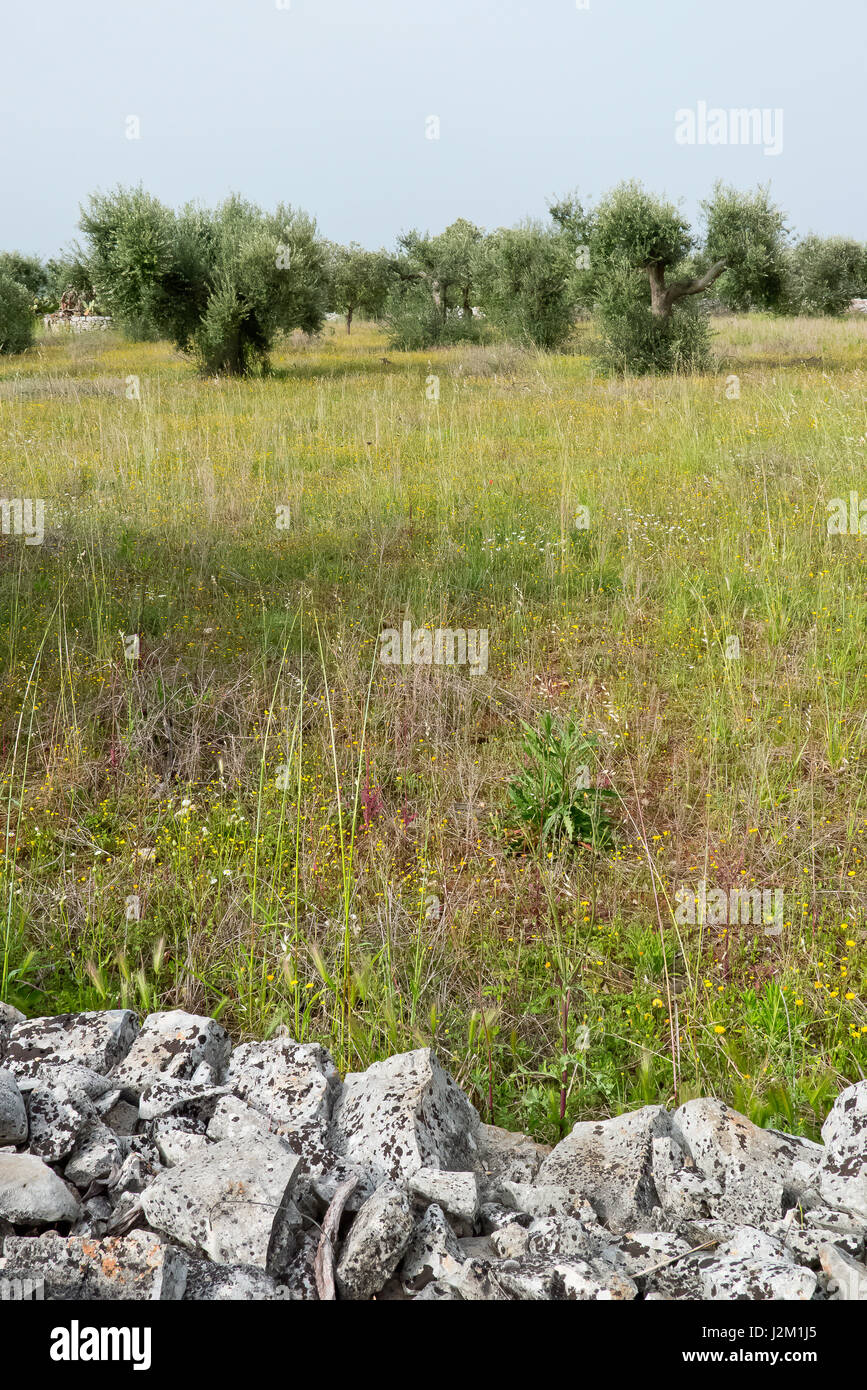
(250, 815)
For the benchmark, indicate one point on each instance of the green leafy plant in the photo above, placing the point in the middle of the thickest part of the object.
(552, 796)
(16, 316)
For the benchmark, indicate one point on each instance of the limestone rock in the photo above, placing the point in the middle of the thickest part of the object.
(404, 1114)
(380, 1235)
(13, 1115)
(139, 1266)
(224, 1202)
(843, 1174)
(611, 1162)
(31, 1193)
(849, 1276)
(97, 1154)
(543, 1280)
(293, 1084)
(94, 1040)
(171, 1045)
(235, 1119)
(57, 1117)
(758, 1171)
(168, 1096)
(432, 1251)
(178, 1139)
(506, 1155)
(210, 1283)
(455, 1193)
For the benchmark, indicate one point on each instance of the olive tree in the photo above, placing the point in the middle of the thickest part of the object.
(823, 275)
(524, 284)
(747, 232)
(219, 283)
(433, 285)
(16, 315)
(360, 281)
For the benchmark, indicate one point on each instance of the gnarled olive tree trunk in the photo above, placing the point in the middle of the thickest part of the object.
(663, 297)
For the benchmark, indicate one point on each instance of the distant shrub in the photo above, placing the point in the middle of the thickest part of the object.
(748, 232)
(16, 315)
(524, 285)
(433, 287)
(415, 321)
(358, 282)
(70, 271)
(219, 283)
(636, 340)
(823, 274)
(27, 271)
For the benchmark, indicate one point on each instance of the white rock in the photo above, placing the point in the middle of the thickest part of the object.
(178, 1140)
(165, 1097)
(379, 1237)
(728, 1280)
(139, 1266)
(611, 1162)
(850, 1276)
(235, 1119)
(94, 1040)
(754, 1168)
(171, 1045)
(224, 1203)
(293, 1084)
(13, 1115)
(540, 1199)
(404, 1114)
(96, 1155)
(843, 1176)
(506, 1155)
(58, 1117)
(31, 1194)
(456, 1193)
(432, 1251)
(212, 1283)
(510, 1242)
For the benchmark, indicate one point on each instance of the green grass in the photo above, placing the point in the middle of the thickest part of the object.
(319, 840)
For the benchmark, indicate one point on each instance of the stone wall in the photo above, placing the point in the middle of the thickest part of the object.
(153, 1160)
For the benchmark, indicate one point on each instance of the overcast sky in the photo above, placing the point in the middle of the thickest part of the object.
(325, 104)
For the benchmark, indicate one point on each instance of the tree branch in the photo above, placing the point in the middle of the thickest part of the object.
(702, 282)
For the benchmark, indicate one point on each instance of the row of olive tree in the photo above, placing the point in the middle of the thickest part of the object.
(632, 260)
(220, 283)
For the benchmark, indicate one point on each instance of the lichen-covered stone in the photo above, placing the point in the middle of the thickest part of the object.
(171, 1046)
(94, 1040)
(432, 1251)
(505, 1155)
(380, 1235)
(611, 1162)
(224, 1202)
(31, 1193)
(843, 1172)
(140, 1266)
(404, 1114)
(13, 1114)
(455, 1193)
(293, 1084)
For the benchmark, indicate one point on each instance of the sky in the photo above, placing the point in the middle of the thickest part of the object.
(331, 105)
